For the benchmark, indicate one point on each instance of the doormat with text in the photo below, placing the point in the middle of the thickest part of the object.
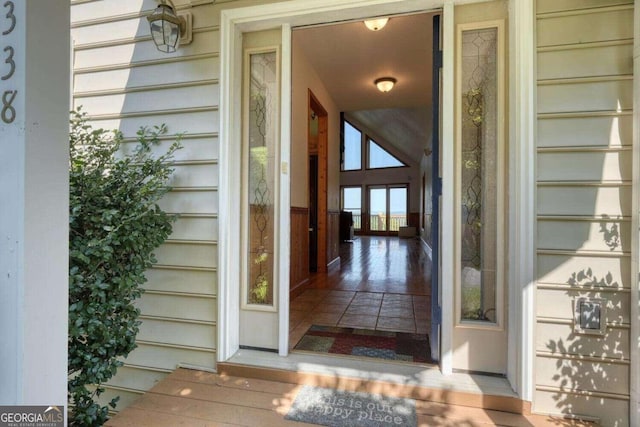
(398, 346)
(337, 408)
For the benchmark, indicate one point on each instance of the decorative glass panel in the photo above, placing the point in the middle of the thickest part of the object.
(479, 163)
(262, 146)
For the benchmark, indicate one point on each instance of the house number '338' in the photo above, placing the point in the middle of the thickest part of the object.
(7, 112)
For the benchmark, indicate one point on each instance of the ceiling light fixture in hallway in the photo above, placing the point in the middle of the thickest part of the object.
(376, 24)
(385, 84)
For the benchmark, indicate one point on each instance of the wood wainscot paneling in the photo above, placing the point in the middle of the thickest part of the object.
(299, 263)
(333, 237)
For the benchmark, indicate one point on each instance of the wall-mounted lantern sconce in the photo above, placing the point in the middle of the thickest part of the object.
(385, 84)
(169, 29)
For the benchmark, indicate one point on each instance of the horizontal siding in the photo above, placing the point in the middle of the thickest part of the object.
(189, 307)
(188, 254)
(166, 356)
(589, 199)
(547, 6)
(123, 83)
(610, 60)
(597, 376)
(204, 120)
(141, 53)
(178, 332)
(556, 336)
(604, 24)
(194, 281)
(165, 98)
(196, 228)
(187, 70)
(586, 130)
(605, 235)
(583, 165)
(556, 302)
(576, 96)
(195, 147)
(194, 200)
(593, 166)
(562, 269)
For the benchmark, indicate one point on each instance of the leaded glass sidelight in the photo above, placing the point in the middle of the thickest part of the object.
(479, 173)
(261, 149)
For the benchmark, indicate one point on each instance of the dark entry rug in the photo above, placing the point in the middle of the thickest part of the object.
(337, 408)
(364, 342)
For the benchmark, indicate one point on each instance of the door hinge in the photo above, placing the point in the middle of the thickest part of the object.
(438, 59)
(436, 314)
(437, 187)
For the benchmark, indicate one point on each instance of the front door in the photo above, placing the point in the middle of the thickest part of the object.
(476, 316)
(436, 192)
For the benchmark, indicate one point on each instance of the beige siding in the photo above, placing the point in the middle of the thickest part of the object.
(123, 82)
(584, 70)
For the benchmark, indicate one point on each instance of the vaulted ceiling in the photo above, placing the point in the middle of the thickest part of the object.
(348, 58)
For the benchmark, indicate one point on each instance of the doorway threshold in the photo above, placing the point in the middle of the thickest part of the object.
(379, 377)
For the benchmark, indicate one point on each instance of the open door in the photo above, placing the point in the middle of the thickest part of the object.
(436, 193)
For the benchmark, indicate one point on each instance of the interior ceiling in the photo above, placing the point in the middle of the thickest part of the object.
(348, 58)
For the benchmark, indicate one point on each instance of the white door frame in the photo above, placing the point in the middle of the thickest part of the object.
(522, 147)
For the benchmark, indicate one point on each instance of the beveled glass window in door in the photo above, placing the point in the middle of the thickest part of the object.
(480, 171)
(261, 144)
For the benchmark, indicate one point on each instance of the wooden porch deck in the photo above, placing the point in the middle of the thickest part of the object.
(196, 398)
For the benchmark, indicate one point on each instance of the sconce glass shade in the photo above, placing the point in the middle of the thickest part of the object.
(166, 28)
(385, 84)
(376, 24)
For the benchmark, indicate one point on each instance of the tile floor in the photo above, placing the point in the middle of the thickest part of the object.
(382, 284)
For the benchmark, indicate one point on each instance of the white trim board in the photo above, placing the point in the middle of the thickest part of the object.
(301, 12)
(634, 383)
(522, 204)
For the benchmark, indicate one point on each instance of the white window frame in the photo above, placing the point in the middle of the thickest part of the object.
(244, 217)
(501, 231)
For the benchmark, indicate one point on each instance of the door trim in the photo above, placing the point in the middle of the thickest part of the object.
(301, 12)
(521, 199)
(322, 217)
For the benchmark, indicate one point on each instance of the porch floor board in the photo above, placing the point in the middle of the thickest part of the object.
(197, 398)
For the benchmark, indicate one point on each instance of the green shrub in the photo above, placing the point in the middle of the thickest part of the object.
(115, 224)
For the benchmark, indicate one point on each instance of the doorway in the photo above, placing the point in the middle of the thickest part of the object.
(388, 208)
(374, 146)
(235, 23)
(317, 188)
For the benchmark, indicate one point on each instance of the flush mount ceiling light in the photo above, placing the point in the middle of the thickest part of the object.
(376, 24)
(385, 84)
(168, 29)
